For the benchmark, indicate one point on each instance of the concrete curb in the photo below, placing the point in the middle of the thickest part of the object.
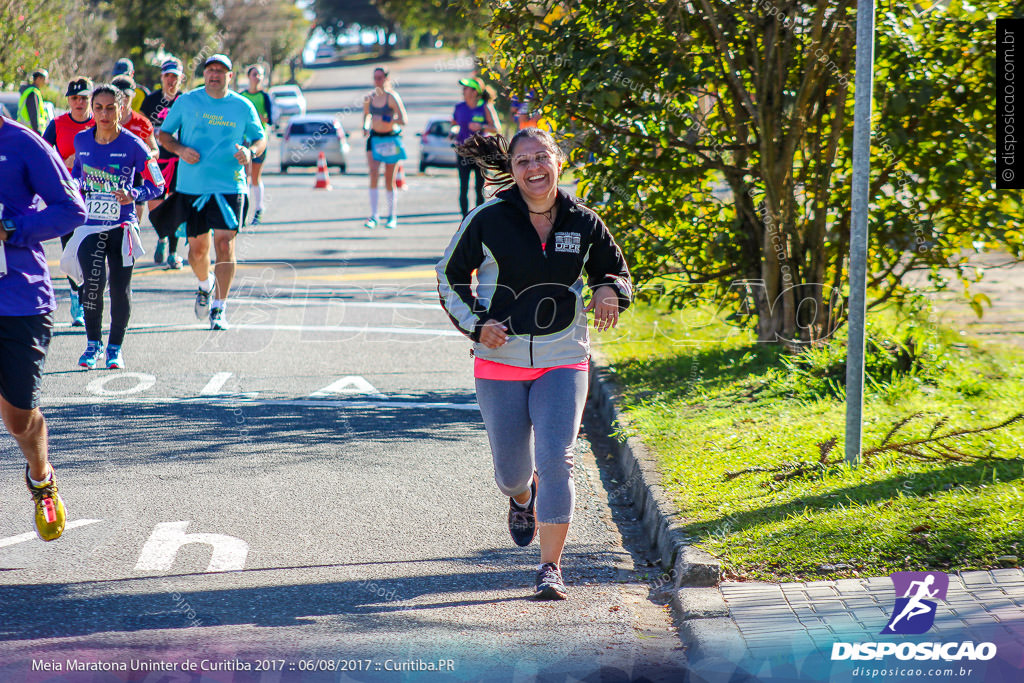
(705, 624)
(684, 564)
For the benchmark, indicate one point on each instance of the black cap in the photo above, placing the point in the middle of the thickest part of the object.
(79, 86)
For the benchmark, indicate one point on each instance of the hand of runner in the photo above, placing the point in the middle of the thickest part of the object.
(243, 154)
(69, 161)
(605, 304)
(188, 155)
(123, 197)
(492, 334)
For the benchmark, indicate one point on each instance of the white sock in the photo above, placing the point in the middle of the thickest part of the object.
(49, 478)
(374, 194)
(256, 192)
(207, 284)
(218, 303)
(392, 203)
(523, 506)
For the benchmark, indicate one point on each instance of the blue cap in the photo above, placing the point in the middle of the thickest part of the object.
(171, 66)
(123, 67)
(218, 59)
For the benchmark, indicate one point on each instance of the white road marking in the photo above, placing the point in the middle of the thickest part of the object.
(353, 384)
(21, 538)
(296, 328)
(158, 554)
(144, 381)
(375, 404)
(353, 328)
(303, 303)
(232, 400)
(215, 384)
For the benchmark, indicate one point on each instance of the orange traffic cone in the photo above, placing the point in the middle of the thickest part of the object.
(400, 177)
(322, 181)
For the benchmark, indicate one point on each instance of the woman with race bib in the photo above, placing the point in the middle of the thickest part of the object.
(383, 116)
(114, 170)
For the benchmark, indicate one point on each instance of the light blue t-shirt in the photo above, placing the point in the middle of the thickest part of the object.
(212, 127)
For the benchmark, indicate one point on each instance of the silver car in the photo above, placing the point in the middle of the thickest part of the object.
(437, 144)
(288, 102)
(306, 136)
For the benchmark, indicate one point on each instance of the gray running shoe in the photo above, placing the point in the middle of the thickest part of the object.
(522, 523)
(549, 583)
(217, 321)
(202, 303)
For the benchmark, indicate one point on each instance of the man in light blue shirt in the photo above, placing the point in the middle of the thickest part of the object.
(211, 125)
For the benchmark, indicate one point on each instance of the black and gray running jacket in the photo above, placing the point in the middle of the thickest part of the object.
(536, 293)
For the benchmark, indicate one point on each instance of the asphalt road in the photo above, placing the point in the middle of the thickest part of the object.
(312, 488)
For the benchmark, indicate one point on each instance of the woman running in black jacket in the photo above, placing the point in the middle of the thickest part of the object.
(531, 246)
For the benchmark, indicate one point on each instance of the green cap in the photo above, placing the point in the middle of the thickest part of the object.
(472, 83)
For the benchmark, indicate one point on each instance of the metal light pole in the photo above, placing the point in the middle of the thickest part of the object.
(862, 85)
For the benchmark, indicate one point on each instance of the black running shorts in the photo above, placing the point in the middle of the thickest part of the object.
(24, 340)
(210, 217)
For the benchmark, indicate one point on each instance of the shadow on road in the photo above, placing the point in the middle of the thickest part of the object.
(232, 433)
(369, 600)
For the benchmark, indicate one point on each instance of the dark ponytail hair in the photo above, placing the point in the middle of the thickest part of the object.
(493, 154)
(107, 89)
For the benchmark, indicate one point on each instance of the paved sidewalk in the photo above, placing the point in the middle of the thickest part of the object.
(749, 631)
(980, 605)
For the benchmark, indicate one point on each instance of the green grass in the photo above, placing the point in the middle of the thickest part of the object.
(709, 401)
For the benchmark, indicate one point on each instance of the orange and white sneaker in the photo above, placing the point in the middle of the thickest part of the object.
(50, 512)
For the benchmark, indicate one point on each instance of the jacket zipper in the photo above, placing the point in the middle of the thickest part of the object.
(544, 252)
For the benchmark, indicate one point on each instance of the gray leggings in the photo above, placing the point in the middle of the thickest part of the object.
(550, 409)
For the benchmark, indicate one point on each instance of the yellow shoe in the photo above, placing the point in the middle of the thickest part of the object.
(50, 511)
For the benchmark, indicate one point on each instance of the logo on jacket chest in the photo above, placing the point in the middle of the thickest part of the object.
(567, 242)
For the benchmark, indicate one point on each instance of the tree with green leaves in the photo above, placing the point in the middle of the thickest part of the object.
(458, 22)
(188, 30)
(34, 35)
(717, 138)
(335, 17)
(271, 32)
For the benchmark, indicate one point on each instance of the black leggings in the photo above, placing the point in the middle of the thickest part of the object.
(64, 239)
(466, 167)
(95, 253)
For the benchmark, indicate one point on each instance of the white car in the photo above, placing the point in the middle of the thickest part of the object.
(288, 102)
(306, 136)
(437, 144)
(9, 101)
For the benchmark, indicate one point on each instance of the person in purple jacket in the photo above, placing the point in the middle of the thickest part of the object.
(475, 115)
(116, 172)
(31, 175)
